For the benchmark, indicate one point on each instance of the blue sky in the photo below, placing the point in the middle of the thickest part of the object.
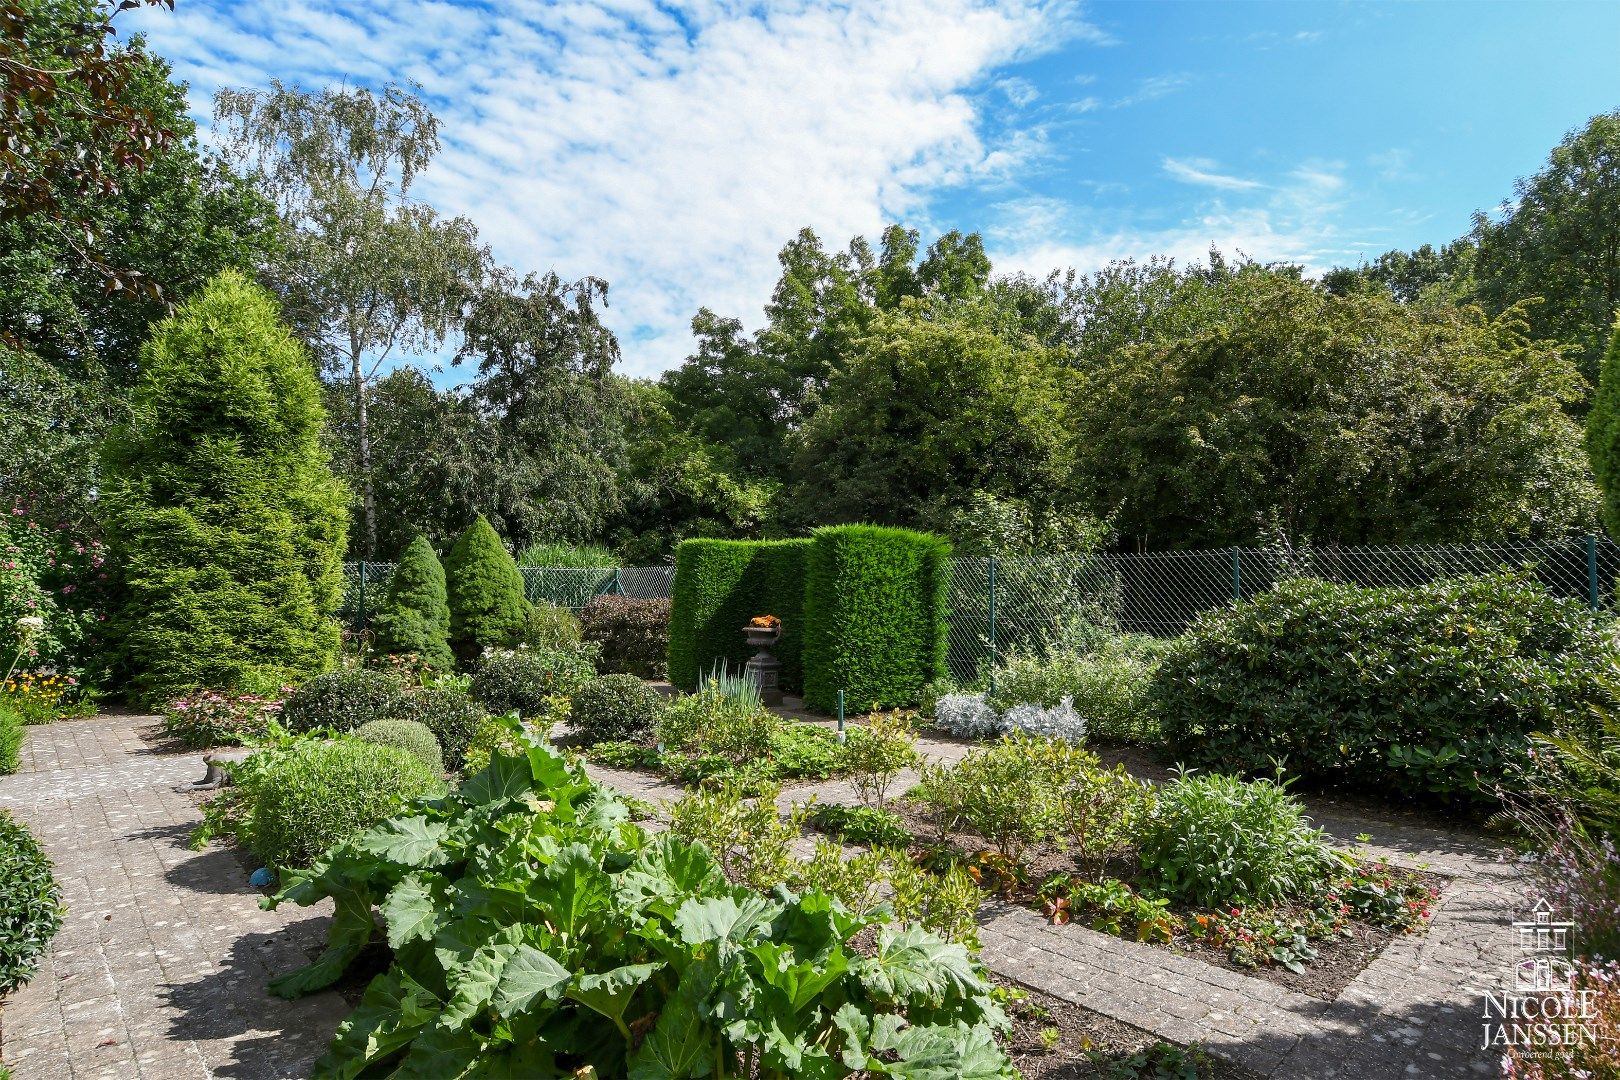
(673, 148)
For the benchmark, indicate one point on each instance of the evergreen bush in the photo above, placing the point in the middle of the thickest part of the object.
(875, 603)
(407, 735)
(225, 522)
(531, 682)
(720, 585)
(30, 904)
(1434, 689)
(633, 634)
(318, 794)
(343, 700)
(451, 716)
(615, 707)
(414, 616)
(1603, 433)
(487, 607)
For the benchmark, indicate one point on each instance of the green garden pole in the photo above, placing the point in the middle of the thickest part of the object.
(1591, 571)
(618, 583)
(360, 625)
(990, 631)
(1237, 575)
(840, 716)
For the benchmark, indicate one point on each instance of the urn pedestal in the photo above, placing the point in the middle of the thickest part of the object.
(763, 667)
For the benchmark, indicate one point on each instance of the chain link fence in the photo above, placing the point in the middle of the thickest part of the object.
(1013, 603)
(570, 587)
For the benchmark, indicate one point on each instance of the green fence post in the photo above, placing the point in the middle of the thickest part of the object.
(1591, 571)
(1237, 575)
(840, 716)
(618, 583)
(990, 626)
(360, 622)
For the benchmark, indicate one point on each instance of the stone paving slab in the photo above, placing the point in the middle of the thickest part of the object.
(161, 964)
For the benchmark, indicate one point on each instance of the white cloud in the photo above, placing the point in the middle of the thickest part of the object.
(1201, 171)
(670, 149)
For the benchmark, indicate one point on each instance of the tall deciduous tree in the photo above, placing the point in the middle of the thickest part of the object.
(365, 273)
(1603, 432)
(1558, 238)
(225, 523)
(1257, 403)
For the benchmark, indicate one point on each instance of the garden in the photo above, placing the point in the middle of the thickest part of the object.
(1005, 714)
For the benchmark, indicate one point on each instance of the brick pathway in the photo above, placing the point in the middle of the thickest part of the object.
(160, 968)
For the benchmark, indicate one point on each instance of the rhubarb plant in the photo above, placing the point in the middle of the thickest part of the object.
(536, 931)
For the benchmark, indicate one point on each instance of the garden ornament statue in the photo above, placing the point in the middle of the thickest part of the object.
(763, 667)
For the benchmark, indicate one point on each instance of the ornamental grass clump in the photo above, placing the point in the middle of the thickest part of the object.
(1221, 841)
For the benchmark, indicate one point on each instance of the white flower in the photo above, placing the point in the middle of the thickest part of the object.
(29, 625)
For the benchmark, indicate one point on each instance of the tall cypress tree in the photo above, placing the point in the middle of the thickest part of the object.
(415, 613)
(225, 522)
(487, 606)
(1603, 432)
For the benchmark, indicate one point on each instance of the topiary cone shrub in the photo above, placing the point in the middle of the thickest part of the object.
(487, 607)
(414, 616)
(225, 522)
(875, 604)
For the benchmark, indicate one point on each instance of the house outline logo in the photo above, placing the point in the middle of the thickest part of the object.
(1544, 946)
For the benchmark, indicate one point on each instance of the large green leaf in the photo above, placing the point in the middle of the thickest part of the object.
(680, 1045)
(414, 909)
(442, 1053)
(610, 992)
(913, 966)
(392, 1012)
(722, 919)
(352, 927)
(412, 841)
(504, 777)
(474, 981)
(573, 891)
(800, 982)
(668, 870)
(529, 974)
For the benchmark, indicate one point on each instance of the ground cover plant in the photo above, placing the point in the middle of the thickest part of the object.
(1203, 863)
(30, 904)
(536, 931)
(210, 718)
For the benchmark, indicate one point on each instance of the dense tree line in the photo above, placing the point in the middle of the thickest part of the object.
(1428, 396)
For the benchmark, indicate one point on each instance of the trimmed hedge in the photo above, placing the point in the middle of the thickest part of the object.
(30, 904)
(1434, 689)
(408, 735)
(318, 794)
(875, 605)
(719, 586)
(633, 634)
(343, 700)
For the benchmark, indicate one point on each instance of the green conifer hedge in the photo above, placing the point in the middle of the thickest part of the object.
(720, 585)
(414, 616)
(487, 607)
(875, 605)
(225, 522)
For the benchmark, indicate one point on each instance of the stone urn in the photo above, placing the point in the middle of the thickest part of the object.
(763, 667)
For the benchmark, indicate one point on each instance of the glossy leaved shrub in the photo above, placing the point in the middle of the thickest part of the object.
(615, 707)
(30, 904)
(1433, 689)
(632, 633)
(343, 700)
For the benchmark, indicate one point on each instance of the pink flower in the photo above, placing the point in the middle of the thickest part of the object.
(67, 589)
